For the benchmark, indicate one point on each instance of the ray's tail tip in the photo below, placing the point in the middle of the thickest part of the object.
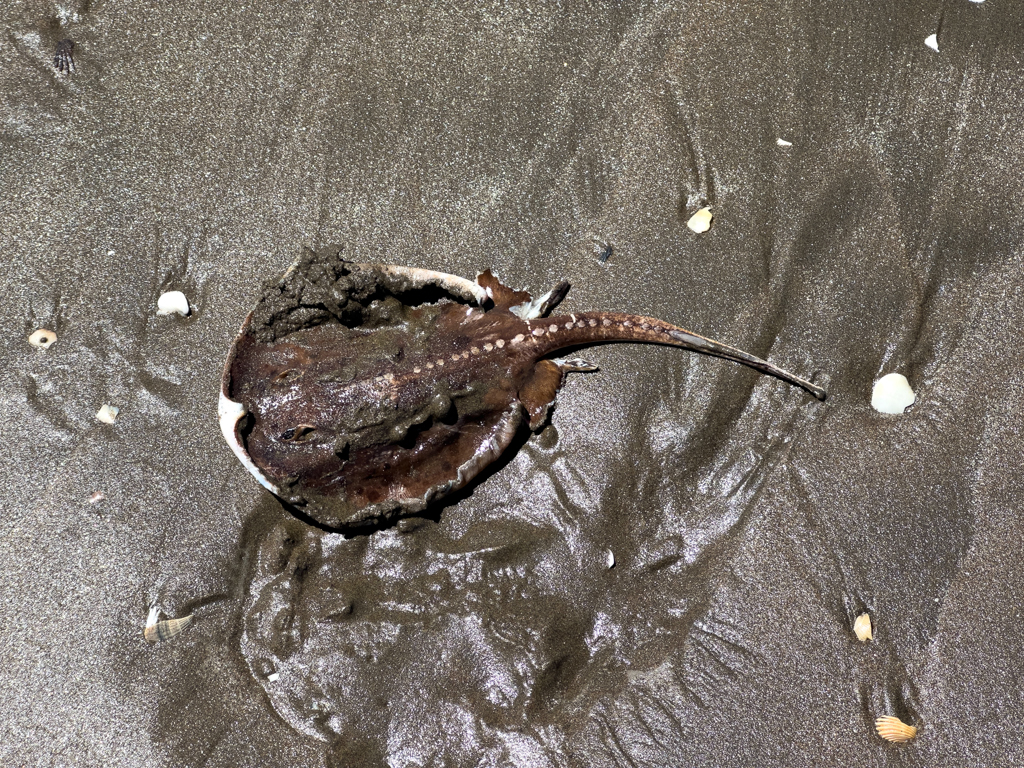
(818, 392)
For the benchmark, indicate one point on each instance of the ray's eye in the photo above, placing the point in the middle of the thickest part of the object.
(298, 434)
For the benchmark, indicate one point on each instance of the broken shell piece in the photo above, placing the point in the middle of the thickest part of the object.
(892, 394)
(610, 562)
(161, 631)
(784, 143)
(172, 303)
(893, 729)
(932, 41)
(700, 221)
(273, 677)
(97, 497)
(862, 627)
(42, 338)
(107, 414)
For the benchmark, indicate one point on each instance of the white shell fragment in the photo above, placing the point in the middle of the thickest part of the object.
(107, 414)
(932, 41)
(893, 729)
(892, 394)
(700, 221)
(172, 303)
(273, 677)
(97, 497)
(42, 338)
(161, 631)
(784, 143)
(610, 561)
(862, 627)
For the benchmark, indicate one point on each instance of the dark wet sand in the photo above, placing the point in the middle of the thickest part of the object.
(199, 147)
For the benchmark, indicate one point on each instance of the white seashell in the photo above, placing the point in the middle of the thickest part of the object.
(784, 143)
(893, 729)
(161, 631)
(42, 338)
(610, 559)
(932, 41)
(892, 394)
(97, 497)
(172, 303)
(108, 413)
(862, 627)
(273, 677)
(700, 221)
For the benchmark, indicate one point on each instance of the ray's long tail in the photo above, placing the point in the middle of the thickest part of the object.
(552, 333)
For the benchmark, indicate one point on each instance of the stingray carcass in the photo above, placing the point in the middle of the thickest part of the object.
(361, 392)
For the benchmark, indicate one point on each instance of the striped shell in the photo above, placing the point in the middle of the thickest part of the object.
(893, 729)
(162, 631)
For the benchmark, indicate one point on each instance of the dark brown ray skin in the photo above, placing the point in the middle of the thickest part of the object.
(357, 426)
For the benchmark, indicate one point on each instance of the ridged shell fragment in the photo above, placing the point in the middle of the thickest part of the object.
(893, 729)
(173, 303)
(161, 631)
(784, 143)
(107, 414)
(862, 627)
(42, 338)
(700, 221)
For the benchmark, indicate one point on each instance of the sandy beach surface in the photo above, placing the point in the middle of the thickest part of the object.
(862, 162)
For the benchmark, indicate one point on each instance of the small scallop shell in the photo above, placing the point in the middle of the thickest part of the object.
(700, 221)
(162, 631)
(42, 338)
(892, 394)
(893, 729)
(862, 627)
(107, 414)
(173, 303)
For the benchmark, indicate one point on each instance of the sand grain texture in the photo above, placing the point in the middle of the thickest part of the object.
(199, 146)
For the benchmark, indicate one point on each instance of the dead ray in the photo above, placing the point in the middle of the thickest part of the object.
(361, 392)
